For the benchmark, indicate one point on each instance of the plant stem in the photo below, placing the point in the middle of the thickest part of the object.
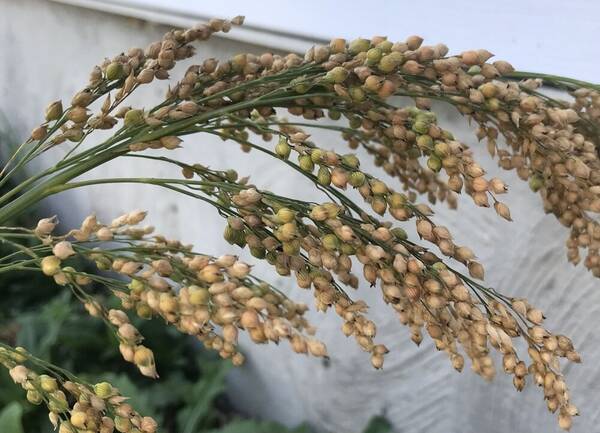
(555, 80)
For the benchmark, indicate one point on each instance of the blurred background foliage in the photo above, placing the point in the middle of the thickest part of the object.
(189, 397)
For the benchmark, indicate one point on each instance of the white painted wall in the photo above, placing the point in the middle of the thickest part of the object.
(46, 51)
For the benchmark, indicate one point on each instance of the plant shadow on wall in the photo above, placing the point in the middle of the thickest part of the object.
(434, 285)
(190, 397)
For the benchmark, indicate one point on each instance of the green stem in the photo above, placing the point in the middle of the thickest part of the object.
(44, 189)
(555, 80)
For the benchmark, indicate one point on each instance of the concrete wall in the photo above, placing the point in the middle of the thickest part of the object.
(46, 52)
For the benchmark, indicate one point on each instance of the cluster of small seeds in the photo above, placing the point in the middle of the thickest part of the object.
(342, 171)
(73, 406)
(550, 143)
(123, 73)
(209, 298)
(278, 234)
(425, 292)
(537, 131)
(130, 343)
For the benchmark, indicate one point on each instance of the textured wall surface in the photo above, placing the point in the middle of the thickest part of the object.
(46, 52)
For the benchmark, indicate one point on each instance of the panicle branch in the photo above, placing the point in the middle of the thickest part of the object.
(73, 405)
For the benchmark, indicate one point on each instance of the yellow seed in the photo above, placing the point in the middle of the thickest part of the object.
(286, 215)
(48, 384)
(198, 295)
(123, 424)
(78, 419)
(237, 359)
(564, 421)
(143, 357)
(317, 348)
(51, 265)
(34, 397)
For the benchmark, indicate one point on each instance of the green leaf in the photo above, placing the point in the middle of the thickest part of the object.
(40, 330)
(10, 418)
(199, 411)
(378, 424)
(10, 392)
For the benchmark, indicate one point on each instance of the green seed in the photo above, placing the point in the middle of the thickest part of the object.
(351, 160)
(347, 249)
(492, 104)
(336, 75)
(434, 163)
(258, 252)
(330, 242)
(413, 153)
(420, 127)
(283, 149)
(34, 397)
(324, 176)
(425, 142)
(136, 286)
(474, 70)
(316, 155)
(133, 117)
(306, 163)
(447, 135)
(122, 424)
(397, 200)
(373, 56)
(387, 64)
(291, 248)
(536, 183)
(357, 179)
(357, 94)
(301, 87)
(355, 122)
(334, 114)
(230, 235)
(144, 311)
(439, 266)
(114, 71)
(358, 46)
(385, 46)
(103, 389)
(231, 175)
(399, 233)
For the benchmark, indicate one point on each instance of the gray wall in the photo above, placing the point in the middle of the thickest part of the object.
(46, 52)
